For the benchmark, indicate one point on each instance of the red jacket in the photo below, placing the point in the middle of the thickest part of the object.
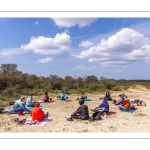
(126, 104)
(37, 114)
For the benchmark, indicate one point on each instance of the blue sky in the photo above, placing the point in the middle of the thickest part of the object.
(117, 48)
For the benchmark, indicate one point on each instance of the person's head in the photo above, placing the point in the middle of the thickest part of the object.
(22, 98)
(81, 102)
(125, 97)
(46, 93)
(31, 94)
(107, 92)
(37, 104)
(120, 95)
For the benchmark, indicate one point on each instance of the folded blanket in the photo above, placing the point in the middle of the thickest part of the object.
(42, 101)
(88, 99)
(37, 123)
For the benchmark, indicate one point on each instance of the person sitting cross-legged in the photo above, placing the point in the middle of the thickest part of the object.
(47, 98)
(82, 97)
(63, 96)
(37, 113)
(29, 101)
(82, 112)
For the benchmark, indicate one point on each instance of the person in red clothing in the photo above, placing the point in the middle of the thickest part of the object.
(37, 113)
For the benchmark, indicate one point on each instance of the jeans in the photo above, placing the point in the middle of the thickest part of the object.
(121, 107)
(17, 109)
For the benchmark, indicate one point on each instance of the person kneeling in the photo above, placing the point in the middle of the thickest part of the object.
(82, 112)
(37, 113)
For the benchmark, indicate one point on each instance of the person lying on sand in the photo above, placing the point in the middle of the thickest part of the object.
(120, 101)
(98, 111)
(37, 113)
(47, 98)
(81, 113)
(19, 106)
(29, 101)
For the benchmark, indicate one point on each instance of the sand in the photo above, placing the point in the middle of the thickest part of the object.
(137, 121)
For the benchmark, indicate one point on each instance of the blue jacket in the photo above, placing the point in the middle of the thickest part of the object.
(63, 96)
(104, 104)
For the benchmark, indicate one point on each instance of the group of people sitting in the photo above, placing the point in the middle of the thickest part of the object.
(21, 107)
(82, 111)
(124, 103)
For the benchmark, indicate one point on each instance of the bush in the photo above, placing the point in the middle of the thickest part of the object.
(117, 88)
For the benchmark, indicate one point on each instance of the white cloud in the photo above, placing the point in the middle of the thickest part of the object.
(8, 52)
(80, 68)
(70, 22)
(36, 23)
(123, 48)
(47, 45)
(45, 60)
(85, 44)
(83, 68)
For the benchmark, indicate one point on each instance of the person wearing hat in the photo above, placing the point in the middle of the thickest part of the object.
(29, 101)
(82, 111)
(37, 113)
(19, 106)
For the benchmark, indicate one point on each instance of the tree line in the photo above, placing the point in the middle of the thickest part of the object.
(13, 83)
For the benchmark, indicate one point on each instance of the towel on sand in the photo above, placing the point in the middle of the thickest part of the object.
(130, 110)
(37, 123)
(32, 107)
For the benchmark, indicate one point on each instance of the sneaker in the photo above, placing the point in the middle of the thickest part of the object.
(98, 117)
(20, 113)
(16, 119)
(69, 119)
(22, 122)
(91, 119)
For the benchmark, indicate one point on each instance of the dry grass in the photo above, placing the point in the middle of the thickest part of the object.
(137, 121)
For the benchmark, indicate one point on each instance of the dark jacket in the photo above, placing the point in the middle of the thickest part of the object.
(107, 96)
(82, 111)
(104, 104)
